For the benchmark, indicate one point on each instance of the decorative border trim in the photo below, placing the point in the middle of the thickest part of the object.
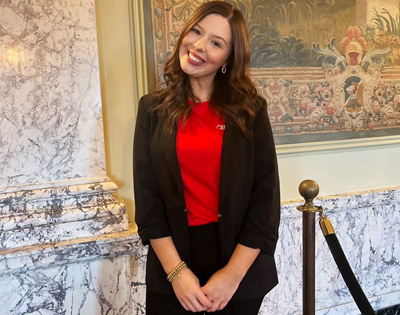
(138, 48)
(60, 213)
(23, 259)
(52, 192)
(312, 71)
(61, 183)
(294, 148)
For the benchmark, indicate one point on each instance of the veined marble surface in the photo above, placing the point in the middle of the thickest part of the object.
(138, 284)
(65, 247)
(54, 214)
(50, 105)
(91, 275)
(367, 225)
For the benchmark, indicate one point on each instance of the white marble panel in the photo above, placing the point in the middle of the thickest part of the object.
(88, 288)
(77, 277)
(50, 106)
(138, 283)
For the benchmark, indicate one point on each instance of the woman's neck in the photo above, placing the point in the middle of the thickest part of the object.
(202, 89)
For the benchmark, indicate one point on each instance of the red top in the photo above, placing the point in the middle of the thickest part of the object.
(199, 146)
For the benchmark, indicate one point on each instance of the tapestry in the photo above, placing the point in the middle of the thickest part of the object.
(329, 69)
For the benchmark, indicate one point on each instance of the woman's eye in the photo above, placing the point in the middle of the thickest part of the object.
(216, 44)
(195, 31)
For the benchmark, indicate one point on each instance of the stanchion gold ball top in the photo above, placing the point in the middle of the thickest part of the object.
(308, 189)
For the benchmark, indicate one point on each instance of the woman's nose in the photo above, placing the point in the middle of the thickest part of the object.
(199, 44)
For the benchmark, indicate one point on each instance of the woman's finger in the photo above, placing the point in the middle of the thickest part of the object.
(184, 305)
(222, 306)
(197, 304)
(215, 305)
(190, 305)
(203, 299)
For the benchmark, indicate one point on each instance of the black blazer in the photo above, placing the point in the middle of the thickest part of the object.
(249, 198)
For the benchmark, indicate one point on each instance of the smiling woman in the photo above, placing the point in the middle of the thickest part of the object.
(204, 50)
(205, 173)
(231, 87)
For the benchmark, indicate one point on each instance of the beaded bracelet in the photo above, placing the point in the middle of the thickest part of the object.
(175, 273)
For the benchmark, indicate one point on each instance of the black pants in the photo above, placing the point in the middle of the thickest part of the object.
(205, 258)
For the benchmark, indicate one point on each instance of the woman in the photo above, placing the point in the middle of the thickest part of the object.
(205, 174)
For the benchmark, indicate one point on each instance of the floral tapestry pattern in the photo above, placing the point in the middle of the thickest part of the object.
(325, 74)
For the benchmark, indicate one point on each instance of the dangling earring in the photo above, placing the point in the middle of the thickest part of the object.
(223, 70)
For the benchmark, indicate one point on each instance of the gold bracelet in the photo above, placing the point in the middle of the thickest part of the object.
(175, 273)
(171, 274)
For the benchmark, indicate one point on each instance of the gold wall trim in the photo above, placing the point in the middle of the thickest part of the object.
(293, 148)
(138, 44)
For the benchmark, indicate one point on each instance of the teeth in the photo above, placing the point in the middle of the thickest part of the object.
(195, 58)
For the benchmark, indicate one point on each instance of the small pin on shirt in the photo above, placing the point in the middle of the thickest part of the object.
(220, 127)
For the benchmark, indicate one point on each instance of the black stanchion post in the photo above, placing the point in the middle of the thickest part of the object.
(309, 189)
(308, 263)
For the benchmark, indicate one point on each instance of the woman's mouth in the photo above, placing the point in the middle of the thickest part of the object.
(196, 60)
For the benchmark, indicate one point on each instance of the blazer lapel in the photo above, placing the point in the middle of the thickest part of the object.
(169, 148)
(228, 159)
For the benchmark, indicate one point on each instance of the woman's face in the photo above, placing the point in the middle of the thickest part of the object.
(206, 48)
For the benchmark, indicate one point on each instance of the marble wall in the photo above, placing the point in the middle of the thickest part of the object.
(50, 104)
(89, 276)
(53, 184)
(65, 244)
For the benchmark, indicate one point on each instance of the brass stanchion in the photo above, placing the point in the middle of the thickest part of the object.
(308, 189)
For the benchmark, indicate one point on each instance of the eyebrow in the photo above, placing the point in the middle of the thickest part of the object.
(197, 25)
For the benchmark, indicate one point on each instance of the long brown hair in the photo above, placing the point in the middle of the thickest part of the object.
(234, 94)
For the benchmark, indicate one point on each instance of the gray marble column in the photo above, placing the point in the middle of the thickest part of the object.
(65, 243)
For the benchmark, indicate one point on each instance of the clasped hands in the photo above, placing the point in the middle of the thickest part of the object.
(214, 296)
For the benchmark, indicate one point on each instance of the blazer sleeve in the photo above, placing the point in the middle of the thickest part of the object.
(150, 214)
(260, 228)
